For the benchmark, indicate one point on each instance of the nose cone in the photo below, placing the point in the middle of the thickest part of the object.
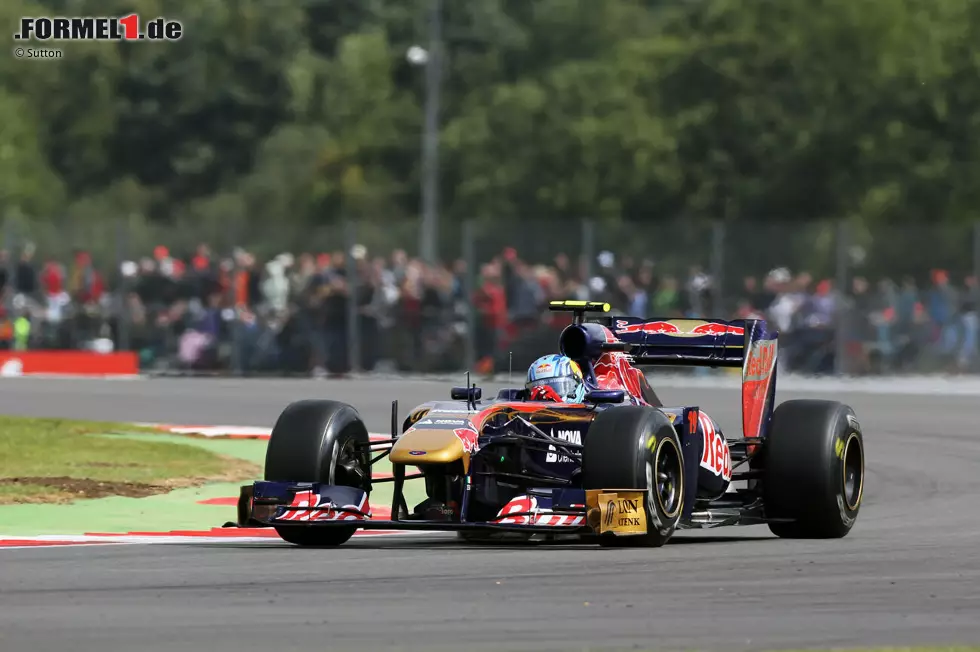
(427, 446)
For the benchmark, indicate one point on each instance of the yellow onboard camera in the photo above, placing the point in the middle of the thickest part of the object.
(579, 306)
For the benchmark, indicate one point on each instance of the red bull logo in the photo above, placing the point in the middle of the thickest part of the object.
(680, 328)
(659, 327)
(715, 328)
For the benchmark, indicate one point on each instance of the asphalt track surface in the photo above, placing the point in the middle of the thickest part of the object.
(909, 572)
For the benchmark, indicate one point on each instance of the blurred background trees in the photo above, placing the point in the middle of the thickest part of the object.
(309, 111)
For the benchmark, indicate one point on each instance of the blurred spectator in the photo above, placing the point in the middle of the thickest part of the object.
(941, 305)
(666, 300)
(970, 323)
(26, 279)
(292, 313)
(490, 303)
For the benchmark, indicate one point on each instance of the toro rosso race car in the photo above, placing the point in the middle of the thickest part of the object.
(615, 468)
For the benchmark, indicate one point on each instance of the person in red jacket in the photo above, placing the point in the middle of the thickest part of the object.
(86, 284)
(491, 306)
(52, 279)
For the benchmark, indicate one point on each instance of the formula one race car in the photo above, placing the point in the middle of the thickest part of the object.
(617, 468)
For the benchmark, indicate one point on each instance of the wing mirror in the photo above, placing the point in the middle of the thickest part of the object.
(606, 396)
(469, 394)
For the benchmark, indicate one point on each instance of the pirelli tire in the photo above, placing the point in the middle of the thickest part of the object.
(814, 470)
(319, 441)
(636, 447)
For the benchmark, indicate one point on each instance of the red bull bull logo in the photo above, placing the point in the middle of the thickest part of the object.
(715, 328)
(679, 328)
(657, 327)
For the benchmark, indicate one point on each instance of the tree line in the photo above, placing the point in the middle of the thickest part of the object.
(309, 111)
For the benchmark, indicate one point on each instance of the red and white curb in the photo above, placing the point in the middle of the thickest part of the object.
(224, 432)
(213, 536)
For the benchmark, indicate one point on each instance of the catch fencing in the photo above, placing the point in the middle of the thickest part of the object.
(354, 296)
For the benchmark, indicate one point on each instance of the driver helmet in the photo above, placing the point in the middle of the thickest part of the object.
(555, 378)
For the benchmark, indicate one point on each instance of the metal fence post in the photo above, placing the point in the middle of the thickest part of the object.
(353, 298)
(236, 323)
(9, 245)
(842, 313)
(123, 316)
(428, 248)
(469, 289)
(976, 250)
(718, 269)
(588, 253)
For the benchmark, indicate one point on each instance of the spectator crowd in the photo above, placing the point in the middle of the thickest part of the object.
(306, 313)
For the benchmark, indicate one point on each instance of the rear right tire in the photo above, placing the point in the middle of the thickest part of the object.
(814, 470)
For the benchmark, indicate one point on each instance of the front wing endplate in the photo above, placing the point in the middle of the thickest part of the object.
(616, 511)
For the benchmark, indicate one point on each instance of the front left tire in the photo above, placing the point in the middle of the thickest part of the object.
(319, 441)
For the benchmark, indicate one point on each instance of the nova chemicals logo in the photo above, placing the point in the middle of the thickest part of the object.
(104, 28)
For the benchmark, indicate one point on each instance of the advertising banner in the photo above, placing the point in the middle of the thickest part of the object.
(68, 363)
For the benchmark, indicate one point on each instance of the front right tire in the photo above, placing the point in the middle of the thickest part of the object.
(636, 447)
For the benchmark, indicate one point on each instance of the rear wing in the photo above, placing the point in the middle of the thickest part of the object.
(748, 344)
(687, 342)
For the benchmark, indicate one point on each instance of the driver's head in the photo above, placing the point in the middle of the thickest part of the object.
(555, 378)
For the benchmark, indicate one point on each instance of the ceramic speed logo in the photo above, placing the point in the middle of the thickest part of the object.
(101, 28)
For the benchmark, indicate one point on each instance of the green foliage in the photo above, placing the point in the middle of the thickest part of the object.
(303, 113)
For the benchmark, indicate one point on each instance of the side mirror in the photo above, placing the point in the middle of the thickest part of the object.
(606, 396)
(471, 394)
(510, 394)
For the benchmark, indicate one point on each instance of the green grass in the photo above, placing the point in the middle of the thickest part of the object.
(61, 460)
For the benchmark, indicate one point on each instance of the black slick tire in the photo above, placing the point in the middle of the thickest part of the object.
(314, 441)
(814, 470)
(636, 447)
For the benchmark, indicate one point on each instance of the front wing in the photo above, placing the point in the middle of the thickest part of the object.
(552, 511)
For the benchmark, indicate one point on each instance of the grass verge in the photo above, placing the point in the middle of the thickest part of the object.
(63, 460)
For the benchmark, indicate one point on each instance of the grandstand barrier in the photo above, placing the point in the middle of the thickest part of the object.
(68, 363)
